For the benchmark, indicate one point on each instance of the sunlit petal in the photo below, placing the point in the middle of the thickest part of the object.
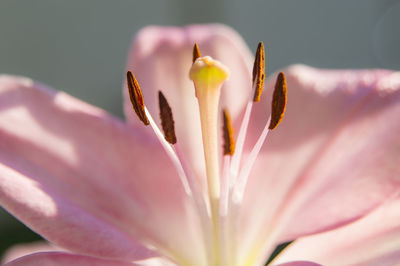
(67, 259)
(334, 157)
(373, 240)
(83, 180)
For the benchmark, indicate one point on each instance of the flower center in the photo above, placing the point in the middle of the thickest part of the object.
(226, 187)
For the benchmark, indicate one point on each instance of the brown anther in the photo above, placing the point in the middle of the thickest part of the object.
(279, 100)
(229, 142)
(196, 52)
(167, 120)
(136, 97)
(259, 72)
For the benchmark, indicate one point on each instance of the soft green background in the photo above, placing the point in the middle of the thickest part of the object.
(80, 45)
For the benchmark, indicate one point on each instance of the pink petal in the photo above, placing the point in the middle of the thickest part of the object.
(372, 240)
(298, 263)
(161, 57)
(83, 180)
(334, 157)
(389, 259)
(67, 259)
(25, 249)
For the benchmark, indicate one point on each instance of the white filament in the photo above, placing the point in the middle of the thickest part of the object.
(240, 143)
(241, 183)
(174, 158)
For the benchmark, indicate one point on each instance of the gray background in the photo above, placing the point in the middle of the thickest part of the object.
(80, 45)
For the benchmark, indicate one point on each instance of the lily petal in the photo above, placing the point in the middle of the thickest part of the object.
(299, 263)
(372, 240)
(67, 259)
(21, 250)
(81, 178)
(334, 157)
(161, 57)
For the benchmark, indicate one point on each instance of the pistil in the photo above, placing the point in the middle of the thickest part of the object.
(208, 76)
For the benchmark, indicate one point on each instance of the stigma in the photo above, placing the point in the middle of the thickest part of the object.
(208, 75)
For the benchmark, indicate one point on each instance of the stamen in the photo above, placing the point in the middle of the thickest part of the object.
(259, 72)
(136, 97)
(258, 85)
(229, 142)
(167, 120)
(278, 109)
(279, 100)
(196, 52)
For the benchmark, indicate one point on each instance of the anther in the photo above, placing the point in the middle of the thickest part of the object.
(259, 72)
(279, 100)
(167, 120)
(229, 142)
(196, 52)
(136, 97)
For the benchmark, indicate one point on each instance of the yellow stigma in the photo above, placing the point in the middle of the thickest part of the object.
(208, 73)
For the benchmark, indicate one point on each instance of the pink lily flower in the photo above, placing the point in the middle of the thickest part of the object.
(114, 193)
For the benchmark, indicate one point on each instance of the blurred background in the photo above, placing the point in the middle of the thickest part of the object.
(80, 46)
